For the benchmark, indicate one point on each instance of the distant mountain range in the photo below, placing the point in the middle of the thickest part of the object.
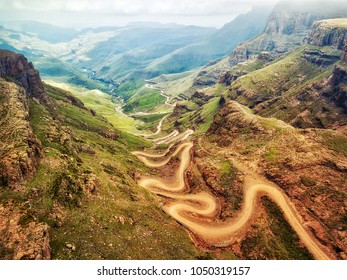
(137, 51)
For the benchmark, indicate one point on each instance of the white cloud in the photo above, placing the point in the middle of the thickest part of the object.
(137, 7)
(82, 13)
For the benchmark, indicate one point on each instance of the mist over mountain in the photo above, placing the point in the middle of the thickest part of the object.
(136, 51)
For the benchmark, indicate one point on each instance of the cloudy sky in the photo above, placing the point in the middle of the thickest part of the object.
(82, 13)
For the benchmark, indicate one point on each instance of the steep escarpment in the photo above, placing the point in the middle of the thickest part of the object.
(331, 32)
(337, 85)
(20, 150)
(285, 19)
(20, 155)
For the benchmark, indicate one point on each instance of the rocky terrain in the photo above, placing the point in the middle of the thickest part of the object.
(287, 26)
(20, 155)
(296, 160)
(16, 67)
(328, 33)
(21, 150)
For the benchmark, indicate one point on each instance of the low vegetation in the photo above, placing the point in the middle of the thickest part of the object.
(273, 238)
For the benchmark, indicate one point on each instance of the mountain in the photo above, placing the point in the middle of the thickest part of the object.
(127, 54)
(185, 47)
(14, 67)
(47, 32)
(244, 158)
(305, 88)
(286, 28)
(137, 51)
(215, 46)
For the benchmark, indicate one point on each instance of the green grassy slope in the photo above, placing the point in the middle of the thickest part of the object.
(144, 99)
(102, 103)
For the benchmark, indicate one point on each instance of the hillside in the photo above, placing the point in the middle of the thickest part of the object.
(308, 165)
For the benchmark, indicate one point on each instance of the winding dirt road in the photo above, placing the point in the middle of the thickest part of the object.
(162, 93)
(158, 131)
(198, 212)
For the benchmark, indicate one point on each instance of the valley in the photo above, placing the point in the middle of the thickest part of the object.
(168, 141)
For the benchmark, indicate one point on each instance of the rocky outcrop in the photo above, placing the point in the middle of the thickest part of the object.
(339, 76)
(320, 58)
(288, 18)
(231, 120)
(337, 85)
(227, 78)
(344, 56)
(328, 33)
(200, 98)
(16, 67)
(22, 238)
(20, 150)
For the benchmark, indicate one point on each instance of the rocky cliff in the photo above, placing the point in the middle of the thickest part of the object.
(331, 32)
(287, 19)
(16, 67)
(307, 87)
(20, 150)
(20, 154)
(336, 90)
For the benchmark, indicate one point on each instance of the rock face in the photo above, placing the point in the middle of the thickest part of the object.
(20, 239)
(344, 56)
(230, 121)
(339, 76)
(20, 150)
(286, 19)
(16, 67)
(338, 83)
(326, 33)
